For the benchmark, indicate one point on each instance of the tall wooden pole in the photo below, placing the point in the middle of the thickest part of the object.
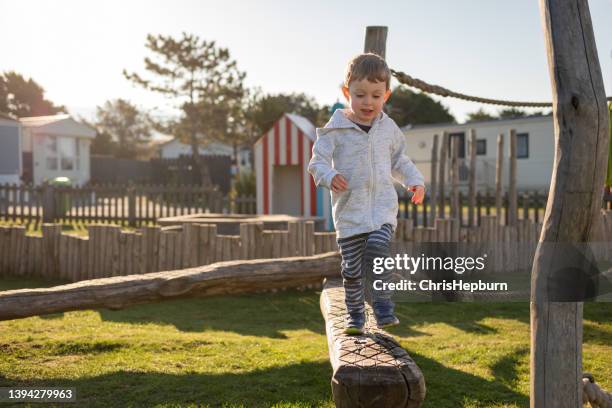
(512, 205)
(581, 127)
(433, 188)
(442, 174)
(455, 205)
(498, 176)
(376, 40)
(472, 185)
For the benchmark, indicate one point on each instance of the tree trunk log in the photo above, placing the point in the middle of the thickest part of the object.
(581, 141)
(229, 277)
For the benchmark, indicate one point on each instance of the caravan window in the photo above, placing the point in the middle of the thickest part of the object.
(522, 145)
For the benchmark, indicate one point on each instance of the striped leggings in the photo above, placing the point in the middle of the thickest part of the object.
(358, 253)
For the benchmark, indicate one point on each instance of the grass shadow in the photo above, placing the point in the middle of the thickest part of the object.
(262, 314)
(302, 385)
(448, 387)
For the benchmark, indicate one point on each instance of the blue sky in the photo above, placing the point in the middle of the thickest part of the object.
(492, 48)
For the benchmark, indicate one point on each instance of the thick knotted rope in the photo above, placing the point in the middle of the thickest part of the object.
(406, 79)
(593, 394)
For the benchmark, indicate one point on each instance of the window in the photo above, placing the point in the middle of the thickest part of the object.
(51, 150)
(67, 152)
(481, 147)
(522, 145)
(461, 137)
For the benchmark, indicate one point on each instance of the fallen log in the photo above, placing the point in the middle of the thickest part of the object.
(118, 292)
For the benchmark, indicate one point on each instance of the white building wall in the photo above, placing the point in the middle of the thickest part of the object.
(533, 172)
(79, 175)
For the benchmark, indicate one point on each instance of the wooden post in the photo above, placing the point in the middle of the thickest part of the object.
(131, 206)
(498, 176)
(512, 208)
(581, 138)
(48, 203)
(442, 173)
(472, 185)
(433, 188)
(376, 40)
(455, 207)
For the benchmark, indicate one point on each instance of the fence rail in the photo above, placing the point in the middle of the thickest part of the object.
(132, 205)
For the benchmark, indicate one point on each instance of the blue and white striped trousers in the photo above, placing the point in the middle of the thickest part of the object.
(358, 253)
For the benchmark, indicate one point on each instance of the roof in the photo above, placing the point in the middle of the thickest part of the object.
(300, 122)
(477, 122)
(35, 121)
(304, 125)
(63, 125)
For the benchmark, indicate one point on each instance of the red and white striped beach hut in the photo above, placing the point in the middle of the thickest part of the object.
(284, 185)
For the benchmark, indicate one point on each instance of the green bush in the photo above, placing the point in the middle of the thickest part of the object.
(244, 185)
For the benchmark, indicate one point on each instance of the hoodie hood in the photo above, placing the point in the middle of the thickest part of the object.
(339, 120)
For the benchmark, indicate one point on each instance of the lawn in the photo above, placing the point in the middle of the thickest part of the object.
(270, 350)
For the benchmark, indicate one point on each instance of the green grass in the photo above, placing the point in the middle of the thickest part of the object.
(270, 350)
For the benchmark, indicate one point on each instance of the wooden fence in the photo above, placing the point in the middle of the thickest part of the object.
(126, 205)
(530, 205)
(109, 251)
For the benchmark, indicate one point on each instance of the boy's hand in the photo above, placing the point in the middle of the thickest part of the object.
(419, 194)
(339, 184)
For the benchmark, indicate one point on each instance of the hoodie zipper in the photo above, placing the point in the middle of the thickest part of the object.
(371, 181)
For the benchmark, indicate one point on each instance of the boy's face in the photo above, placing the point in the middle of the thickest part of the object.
(366, 99)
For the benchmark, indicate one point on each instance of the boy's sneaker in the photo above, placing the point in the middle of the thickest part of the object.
(384, 315)
(355, 323)
(387, 321)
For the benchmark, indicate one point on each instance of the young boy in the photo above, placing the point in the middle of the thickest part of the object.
(357, 155)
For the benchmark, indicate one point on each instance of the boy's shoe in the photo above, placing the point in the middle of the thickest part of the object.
(355, 323)
(383, 312)
(387, 321)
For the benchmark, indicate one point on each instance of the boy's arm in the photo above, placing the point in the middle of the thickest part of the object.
(402, 168)
(320, 165)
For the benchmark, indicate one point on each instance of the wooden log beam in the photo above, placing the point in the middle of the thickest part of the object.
(118, 292)
(581, 127)
(371, 370)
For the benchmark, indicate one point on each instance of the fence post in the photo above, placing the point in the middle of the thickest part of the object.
(433, 190)
(472, 179)
(131, 206)
(48, 203)
(512, 196)
(498, 177)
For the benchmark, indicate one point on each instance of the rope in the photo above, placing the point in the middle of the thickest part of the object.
(406, 79)
(593, 394)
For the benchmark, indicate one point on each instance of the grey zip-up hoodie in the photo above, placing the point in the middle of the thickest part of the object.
(369, 162)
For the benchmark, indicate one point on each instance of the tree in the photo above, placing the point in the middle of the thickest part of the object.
(264, 110)
(204, 81)
(511, 113)
(408, 107)
(126, 125)
(22, 98)
(103, 144)
(480, 114)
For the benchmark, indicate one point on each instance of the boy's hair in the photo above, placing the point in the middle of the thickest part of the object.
(370, 66)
